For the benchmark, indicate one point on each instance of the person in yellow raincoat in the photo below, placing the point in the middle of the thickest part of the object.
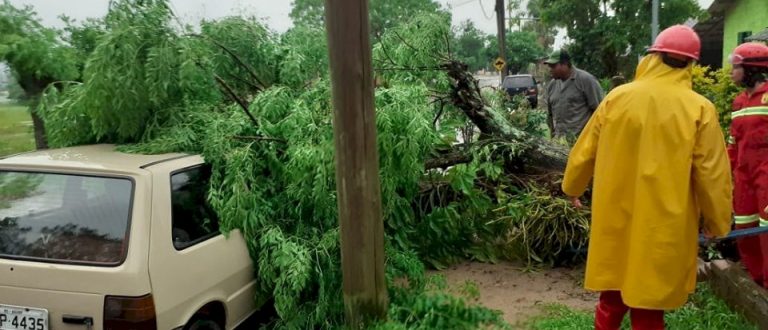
(659, 161)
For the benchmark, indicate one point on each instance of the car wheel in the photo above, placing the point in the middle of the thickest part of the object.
(201, 323)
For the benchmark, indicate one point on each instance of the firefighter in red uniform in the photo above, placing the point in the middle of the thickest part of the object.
(748, 151)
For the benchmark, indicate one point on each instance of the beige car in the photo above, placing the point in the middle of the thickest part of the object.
(91, 238)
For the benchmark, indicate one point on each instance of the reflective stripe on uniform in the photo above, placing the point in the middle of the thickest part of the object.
(763, 222)
(747, 219)
(751, 111)
(731, 140)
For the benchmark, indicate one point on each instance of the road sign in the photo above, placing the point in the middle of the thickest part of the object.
(499, 64)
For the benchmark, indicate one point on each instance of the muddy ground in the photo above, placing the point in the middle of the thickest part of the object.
(520, 292)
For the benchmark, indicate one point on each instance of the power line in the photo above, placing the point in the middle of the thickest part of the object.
(483, 9)
(458, 3)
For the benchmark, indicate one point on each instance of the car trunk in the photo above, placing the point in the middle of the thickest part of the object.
(64, 249)
(33, 309)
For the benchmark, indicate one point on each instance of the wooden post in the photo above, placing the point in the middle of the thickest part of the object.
(501, 35)
(357, 167)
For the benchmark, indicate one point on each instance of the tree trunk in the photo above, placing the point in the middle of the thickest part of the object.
(33, 88)
(41, 142)
(449, 159)
(536, 155)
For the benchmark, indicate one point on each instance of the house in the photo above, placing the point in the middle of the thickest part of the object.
(731, 23)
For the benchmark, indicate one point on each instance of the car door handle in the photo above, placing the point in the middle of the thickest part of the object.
(87, 321)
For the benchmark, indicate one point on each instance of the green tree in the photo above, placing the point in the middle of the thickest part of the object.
(384, 14)
(36, 55)
(522, 49)
(469, 46)
(545, 32)
(608, 35)
(308, 12)
(82, 36)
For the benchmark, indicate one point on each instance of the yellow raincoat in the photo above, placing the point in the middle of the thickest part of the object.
(659, 162)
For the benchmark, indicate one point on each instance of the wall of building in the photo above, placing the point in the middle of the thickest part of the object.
(744, 16)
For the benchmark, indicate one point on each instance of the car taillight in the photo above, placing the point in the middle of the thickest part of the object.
(135, 313)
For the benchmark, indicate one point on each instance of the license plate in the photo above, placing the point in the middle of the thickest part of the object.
(23, 318)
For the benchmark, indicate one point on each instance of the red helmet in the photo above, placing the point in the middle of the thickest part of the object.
(750, 54)
(678, 39)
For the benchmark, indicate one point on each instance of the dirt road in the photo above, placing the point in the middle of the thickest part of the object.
(518, 293)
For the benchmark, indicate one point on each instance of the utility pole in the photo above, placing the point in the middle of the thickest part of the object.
(654, 20)
(501, 35)
(357, 162)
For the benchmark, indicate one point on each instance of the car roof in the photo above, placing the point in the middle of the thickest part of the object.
(520, 75)
(100, 156)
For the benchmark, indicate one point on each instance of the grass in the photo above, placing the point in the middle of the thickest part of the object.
(16, 133)
(704, 311)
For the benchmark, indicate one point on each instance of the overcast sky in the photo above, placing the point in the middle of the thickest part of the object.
(275, 12)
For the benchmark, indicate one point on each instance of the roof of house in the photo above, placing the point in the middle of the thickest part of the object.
(711, 29)
(720, 6)
(762, 36)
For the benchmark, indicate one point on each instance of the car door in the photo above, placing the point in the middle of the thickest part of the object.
(191, 263)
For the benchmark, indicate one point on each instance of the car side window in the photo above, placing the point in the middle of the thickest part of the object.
(193, 220)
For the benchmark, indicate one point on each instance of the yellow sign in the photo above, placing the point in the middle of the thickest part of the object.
(499, 64)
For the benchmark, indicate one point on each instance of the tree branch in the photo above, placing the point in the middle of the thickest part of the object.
(259, 138)
(237, 58)
(404, 41)
(384, 49)
(439, 112)
(245, 81)
(448, 44)
(414, 48)
(448, 160)
(231, 93)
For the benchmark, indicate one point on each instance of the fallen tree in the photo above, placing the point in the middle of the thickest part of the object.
(257, 107)
(536, 153)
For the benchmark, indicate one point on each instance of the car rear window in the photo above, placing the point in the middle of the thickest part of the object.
(64, 218)
(516, 82)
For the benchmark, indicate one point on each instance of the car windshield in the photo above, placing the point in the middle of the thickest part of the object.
(64, 218)
(517, 82)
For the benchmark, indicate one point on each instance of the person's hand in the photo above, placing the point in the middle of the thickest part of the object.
(766, 209)
(707, 234)
(576, 202)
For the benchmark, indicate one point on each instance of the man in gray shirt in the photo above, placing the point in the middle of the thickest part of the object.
(572, 96)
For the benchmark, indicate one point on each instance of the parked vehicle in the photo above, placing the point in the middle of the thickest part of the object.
(91, 238)
(522, 84)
